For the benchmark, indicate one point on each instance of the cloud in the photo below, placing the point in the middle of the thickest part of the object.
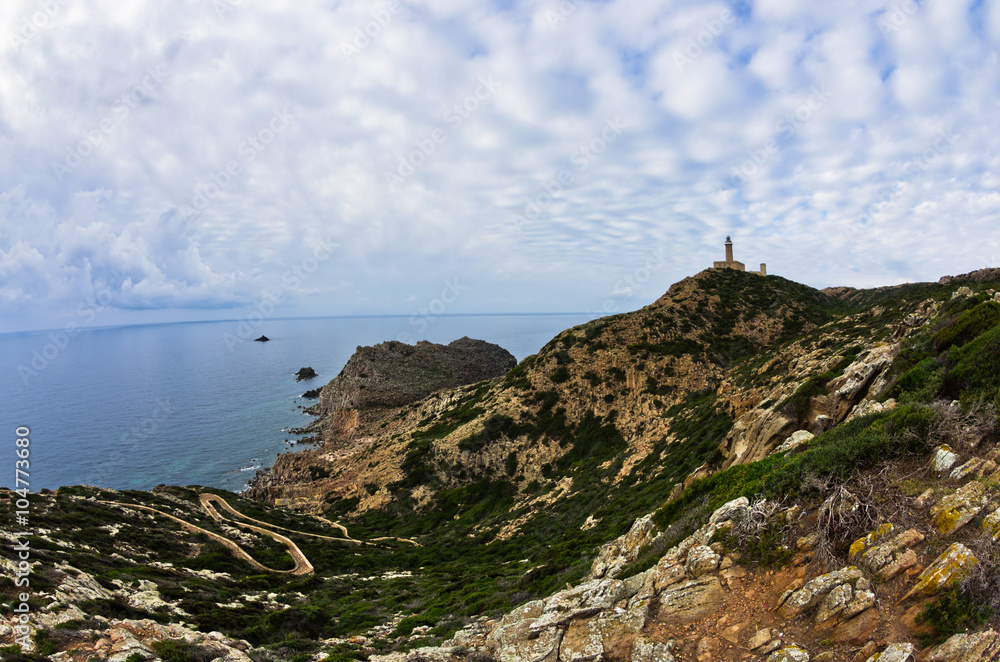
(187, 156)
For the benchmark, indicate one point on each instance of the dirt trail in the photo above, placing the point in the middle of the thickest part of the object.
(302, 565)
(209, 502)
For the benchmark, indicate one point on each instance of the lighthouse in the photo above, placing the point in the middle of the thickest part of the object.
(731, 263)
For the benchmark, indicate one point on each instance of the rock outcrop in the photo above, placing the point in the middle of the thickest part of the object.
(393, 373)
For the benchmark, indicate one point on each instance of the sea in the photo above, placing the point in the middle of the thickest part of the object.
(198, 403)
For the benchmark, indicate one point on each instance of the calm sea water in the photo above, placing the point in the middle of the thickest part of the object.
(136, 406)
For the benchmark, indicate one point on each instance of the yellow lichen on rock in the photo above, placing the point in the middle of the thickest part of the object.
(954, 564)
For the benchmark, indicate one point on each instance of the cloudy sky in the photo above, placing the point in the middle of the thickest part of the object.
(166, 160)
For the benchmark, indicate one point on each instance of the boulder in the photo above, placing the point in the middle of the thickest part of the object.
(732, 510)
(894, 653)
(797, 440)
(891, 557)
(815, 590)
(690, 600)
(952, 565)
(644, 650)
(957, 509)
(976, 466)
(701, 560)
(977, 647)
(943, 458)
(789, 654)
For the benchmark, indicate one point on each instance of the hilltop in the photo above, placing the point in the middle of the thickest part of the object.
(649, 486)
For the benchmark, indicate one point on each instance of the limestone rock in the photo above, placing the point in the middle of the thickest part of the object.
(581, 601)
(991, 524)
(956, 510)
(759, 639)
(834, 603)
(977, 647)
(124, 644)
(858, 629)
(891, 557)
(797, 440)
(617, 553)
(729, 511)
(870, 540)
(815, 590)
(975, 466)
(517, 642)
(894, 653)
(925, 498)
(587, 639)
(943, 458)
(859, 377)
(708, 649)
(691, 599)
(952, 565)
(644, 650)
(789, 654)
(701, 560)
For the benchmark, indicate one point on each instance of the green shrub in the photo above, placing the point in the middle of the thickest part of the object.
(977, 367)
(968, 326)
(951, 613)
(178, 650)
(45, 645)
(560, 375)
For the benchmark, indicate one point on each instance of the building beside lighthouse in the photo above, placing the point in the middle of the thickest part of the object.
(731, 263)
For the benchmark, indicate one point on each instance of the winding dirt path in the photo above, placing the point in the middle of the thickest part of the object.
(209, 502)
(302, 565)
(208, 499)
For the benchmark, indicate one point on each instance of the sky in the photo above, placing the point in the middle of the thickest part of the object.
(174, 160)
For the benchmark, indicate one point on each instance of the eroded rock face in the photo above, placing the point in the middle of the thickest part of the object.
(614, 555)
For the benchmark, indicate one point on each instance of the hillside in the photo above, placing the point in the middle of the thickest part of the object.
(647, 487)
